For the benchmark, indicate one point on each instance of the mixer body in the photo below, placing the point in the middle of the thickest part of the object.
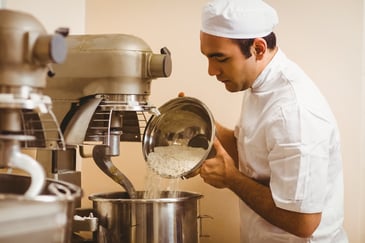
(26, 51)
(100, 95)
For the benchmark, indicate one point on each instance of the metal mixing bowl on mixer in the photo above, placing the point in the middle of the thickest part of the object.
(47, 217)
(176, 142)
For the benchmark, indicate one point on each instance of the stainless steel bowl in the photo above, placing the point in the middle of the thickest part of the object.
(176, 142)
(43, 218)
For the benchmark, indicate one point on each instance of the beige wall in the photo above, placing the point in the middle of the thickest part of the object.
(52, 14)
(325, 37)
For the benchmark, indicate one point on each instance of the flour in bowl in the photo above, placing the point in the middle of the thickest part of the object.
(173, 161)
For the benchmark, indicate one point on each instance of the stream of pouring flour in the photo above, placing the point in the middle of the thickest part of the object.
(155, 184)
(170, 162)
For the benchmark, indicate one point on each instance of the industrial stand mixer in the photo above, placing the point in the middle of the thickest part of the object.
(100, 93)
(32, 207)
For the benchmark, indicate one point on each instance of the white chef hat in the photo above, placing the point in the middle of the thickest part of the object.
(238, 19)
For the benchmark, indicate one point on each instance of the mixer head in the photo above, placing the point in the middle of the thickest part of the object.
(26, 51)
(103, 87)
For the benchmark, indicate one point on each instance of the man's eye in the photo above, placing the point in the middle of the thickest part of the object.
(221, 59)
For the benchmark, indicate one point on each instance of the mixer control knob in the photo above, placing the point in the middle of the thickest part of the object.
(63, 31)
(166, 51)
(161, 64)
(50, 48)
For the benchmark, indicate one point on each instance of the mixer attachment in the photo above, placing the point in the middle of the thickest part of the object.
(103, 161)
(12, 157)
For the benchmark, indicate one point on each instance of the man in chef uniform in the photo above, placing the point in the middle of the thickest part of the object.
(286, 143)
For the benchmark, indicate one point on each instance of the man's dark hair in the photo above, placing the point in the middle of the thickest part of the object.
(245, 44)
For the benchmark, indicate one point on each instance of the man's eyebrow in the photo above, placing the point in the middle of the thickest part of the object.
(215, 54)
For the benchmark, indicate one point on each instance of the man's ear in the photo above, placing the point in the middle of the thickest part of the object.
(259, 47)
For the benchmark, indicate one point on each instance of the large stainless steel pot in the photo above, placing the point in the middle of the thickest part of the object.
(43, 218)
(171, 218)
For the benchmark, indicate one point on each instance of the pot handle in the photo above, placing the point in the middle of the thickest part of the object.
(201, 217)
(85, 223)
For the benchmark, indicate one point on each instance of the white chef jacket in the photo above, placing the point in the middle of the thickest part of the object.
(288, 136)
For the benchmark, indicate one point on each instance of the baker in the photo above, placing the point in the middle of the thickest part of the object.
(283, 157)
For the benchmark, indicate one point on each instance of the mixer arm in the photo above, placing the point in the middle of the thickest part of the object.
(103, 161)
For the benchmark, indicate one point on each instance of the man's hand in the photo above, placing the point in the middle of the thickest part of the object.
(221, 169)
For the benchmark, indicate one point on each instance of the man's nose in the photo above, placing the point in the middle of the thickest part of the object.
(213, 69)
